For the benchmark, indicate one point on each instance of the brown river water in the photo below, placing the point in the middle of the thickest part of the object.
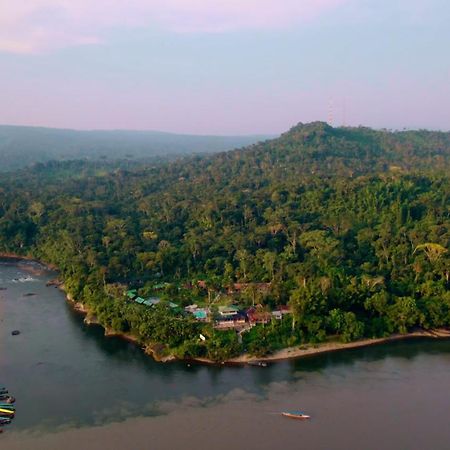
(76, 389)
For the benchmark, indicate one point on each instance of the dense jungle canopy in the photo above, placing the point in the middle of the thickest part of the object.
(350, 226)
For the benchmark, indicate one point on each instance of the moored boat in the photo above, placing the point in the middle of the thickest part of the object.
(6, 412)
(7, 406)
(7, 409)
(295, 415)
(257, 363)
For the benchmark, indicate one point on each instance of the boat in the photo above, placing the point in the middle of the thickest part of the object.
(6, 412)
(7, 406)
(257, 363)
(7, 398)
(5, 420)
(295, 415)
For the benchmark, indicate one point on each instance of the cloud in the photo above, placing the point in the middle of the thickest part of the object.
(28, 26)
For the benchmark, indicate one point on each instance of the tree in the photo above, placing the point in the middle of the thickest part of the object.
(433, 251)
(404, 314)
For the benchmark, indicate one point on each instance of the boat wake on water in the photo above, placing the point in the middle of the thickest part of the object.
(23, 279)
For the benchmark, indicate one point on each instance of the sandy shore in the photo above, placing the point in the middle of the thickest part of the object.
(310, 349)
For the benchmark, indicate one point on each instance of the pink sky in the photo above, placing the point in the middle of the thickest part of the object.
(224, 66)
(39, 25)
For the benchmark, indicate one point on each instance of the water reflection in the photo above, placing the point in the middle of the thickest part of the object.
(63, 371)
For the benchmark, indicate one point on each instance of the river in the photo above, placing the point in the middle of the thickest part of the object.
(77, 389)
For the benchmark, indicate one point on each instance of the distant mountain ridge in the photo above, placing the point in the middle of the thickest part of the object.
(22, 146)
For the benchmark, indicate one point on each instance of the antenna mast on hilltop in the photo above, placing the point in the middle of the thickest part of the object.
(330, 112)
(344, 113)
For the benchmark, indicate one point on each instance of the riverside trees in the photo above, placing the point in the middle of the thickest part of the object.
(351, 227)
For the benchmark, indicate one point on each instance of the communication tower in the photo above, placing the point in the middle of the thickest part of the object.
(330, 112)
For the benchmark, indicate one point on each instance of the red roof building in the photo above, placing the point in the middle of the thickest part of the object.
(258, 315)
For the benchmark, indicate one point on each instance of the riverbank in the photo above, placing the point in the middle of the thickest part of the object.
(156, 351)
(297, 352)
(315, 349)
(14, 257)
(91, 319)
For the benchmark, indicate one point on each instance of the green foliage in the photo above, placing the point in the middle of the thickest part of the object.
(222, 345)
(350, 226)
(404, 314)
(264, 339)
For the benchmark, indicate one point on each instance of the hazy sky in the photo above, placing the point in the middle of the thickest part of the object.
(224, 66)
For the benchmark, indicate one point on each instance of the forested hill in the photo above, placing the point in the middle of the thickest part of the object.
(318, 148)
(349, 226)
(306, 153)
(23, 146)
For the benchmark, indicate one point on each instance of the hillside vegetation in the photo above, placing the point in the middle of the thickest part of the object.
(24, 146)
(350, 226)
